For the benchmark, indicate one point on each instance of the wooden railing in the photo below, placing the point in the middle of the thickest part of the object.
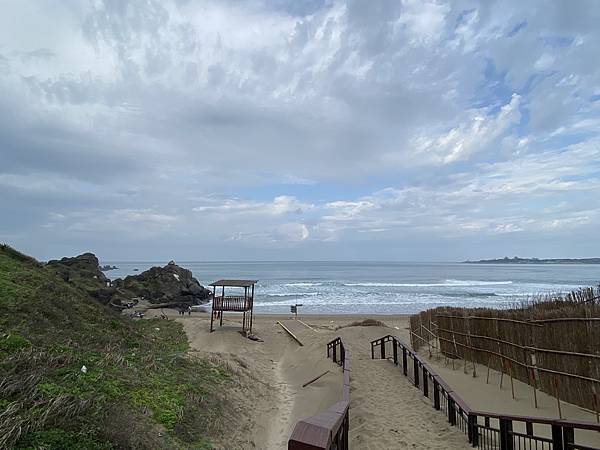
(484, 429)
(232, 303)
(327, 430)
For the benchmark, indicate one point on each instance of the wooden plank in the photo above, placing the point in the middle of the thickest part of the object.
(290, 333)
(307, 325)
(315, 378)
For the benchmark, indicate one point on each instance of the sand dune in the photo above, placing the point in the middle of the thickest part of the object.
(386, 411)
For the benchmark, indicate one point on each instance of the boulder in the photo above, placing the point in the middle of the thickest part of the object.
(168, 284)
(83, 269)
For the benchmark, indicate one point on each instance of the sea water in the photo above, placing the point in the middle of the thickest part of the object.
(384, 287)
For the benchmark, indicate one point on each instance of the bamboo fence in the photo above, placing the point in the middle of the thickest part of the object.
(553, 343)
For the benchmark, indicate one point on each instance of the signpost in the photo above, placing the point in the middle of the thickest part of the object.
(294, 309)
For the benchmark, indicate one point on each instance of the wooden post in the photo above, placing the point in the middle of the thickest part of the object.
(394, 343)
(512, 386)
(416, 370)
(455, 348)
(488, 370)
(251, 308)
(404, 362)
(222, 303)
(473, 430)
(425, 383)
(557, 437)
(506, 438)
(451, 411)
(436, 394)
(557, 392)
(212, 310)
(533, 384)
(595, 403)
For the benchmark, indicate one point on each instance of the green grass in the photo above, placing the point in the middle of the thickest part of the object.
(140, 390)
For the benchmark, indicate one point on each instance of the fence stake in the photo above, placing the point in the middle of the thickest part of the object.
(502, 370)
(512, 386)
(425, 383)
(533, 384)
(556, 390)
(455, 348)
(436, 394)
(595, 401)
(394, 343)
(487, 381)
(382, 349)
(404, 362)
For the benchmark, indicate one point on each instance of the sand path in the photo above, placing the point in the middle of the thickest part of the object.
(386, 410)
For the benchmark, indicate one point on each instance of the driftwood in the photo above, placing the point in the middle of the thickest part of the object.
(315, 378)
(290, 333)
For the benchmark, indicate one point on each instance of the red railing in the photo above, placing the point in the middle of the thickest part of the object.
(327, 430)
(477, 425)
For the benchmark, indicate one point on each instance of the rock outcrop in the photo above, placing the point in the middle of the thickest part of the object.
(168, 284)
(84, 269)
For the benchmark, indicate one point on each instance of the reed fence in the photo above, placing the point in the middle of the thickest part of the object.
(553, 344)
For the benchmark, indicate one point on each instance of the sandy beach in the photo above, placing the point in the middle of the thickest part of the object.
(386, 411)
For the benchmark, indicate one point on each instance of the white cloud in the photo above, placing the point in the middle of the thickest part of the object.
(277, 125)
(475, 134)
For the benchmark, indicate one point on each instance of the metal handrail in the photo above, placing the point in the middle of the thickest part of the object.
(460, 414)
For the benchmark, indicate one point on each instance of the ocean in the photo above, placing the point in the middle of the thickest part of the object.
(384, 287)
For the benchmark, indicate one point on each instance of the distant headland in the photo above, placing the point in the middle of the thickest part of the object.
(517, 260)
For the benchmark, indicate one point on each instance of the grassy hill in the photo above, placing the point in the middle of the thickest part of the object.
(138, 388)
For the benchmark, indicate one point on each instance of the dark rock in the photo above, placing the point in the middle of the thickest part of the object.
(167, 284)
(107, 267)
(83, 270)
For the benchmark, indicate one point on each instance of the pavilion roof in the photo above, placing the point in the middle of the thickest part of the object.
(234, 283)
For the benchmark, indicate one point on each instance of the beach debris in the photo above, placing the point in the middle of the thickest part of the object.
(290, 333)
(315, 378)
(307, 325)
(254, 337)
(83, 369)
(364, 323)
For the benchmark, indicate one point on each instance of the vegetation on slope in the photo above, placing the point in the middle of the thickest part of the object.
(138, 388)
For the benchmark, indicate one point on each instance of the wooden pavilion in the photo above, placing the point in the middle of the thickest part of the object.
(237, 303)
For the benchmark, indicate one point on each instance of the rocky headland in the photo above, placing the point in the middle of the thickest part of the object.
(170, 285)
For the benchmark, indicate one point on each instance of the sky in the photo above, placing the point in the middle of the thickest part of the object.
(300, 130)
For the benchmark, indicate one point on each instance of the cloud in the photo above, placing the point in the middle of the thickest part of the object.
(159, 126)
(474, 135)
